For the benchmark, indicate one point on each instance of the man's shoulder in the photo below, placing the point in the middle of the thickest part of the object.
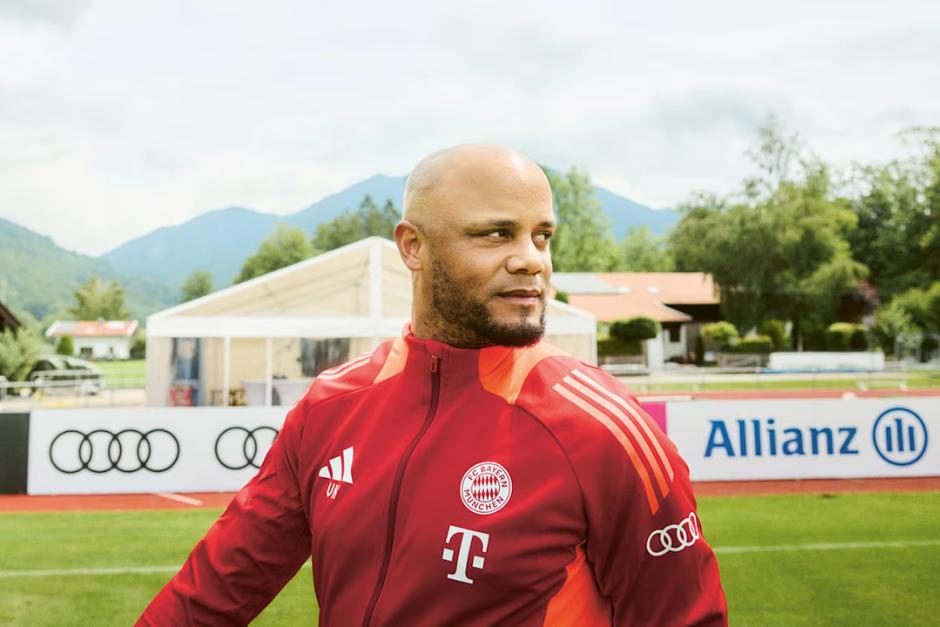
(561, 377)
(358, 373)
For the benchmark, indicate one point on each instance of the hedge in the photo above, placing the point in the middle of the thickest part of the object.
(751, 344)
(634, 329)
(615, 346)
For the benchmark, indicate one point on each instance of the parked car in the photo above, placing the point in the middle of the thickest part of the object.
(63, 373)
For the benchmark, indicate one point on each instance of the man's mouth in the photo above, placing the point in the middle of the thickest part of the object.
(522, 296)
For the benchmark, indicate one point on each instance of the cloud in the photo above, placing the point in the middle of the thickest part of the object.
(61, 13)
(118, 117)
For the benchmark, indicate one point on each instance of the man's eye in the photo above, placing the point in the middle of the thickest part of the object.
(542, 237)
(500, 234)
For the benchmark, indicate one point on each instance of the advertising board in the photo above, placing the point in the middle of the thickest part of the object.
(806, 438)
(199, 449)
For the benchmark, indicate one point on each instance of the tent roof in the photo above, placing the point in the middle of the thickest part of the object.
(360, 290)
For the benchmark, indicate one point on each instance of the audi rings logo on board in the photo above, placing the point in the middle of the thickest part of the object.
(237, 447)
(674, 538)
(100, 451)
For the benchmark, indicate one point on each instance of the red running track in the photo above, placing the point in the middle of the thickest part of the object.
(11, 503)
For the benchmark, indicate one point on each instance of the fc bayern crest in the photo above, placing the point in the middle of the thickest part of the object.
(486, 488)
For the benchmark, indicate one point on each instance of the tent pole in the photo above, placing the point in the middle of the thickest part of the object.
(226, 369)
(268, 383)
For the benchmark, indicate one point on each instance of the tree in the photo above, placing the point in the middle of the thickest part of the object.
(66, 346)
(196, 285)
(19, 350)
(351, 226)
(898, 209)
(95, 300)
(641, 252)
(582, 241)
(891, 221)
(777, 250)
(286, 246)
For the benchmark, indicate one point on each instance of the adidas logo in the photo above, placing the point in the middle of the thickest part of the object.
(339, 470)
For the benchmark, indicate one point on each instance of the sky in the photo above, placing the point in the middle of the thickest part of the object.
(118, 117)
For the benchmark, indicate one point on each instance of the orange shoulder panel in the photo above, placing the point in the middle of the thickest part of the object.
(356, 373)
(395, 362)
(504, 370)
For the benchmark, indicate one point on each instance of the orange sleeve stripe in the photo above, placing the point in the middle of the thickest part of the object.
(639, 419)
(503, 371)
(629, 424)
(620, 436)
(579, 602)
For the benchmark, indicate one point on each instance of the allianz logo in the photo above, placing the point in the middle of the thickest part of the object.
(898, 435)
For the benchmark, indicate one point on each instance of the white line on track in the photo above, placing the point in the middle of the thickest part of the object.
(91, 572)
(80, 572)
(770, 548)
(827, 546)
(721, 550)
(180, 498)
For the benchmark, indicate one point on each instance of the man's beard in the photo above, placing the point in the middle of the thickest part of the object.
(466, 321)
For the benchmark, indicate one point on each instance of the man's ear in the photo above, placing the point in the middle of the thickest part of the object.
(410, 242)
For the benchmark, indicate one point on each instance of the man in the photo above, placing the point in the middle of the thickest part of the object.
(464, 474)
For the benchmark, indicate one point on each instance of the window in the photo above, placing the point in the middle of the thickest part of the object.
(674, 330)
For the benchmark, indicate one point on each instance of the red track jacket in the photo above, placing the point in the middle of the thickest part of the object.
(433, 485)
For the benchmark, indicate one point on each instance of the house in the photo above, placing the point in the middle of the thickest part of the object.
(261, 342)
(7, 320)
(97, 339)
(682, 302)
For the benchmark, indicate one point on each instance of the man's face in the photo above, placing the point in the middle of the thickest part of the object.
(490, 266)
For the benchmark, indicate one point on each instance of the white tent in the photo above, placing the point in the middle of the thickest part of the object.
(253, 334)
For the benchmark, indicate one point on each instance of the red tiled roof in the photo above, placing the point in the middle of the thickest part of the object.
(92, 328)
(610, 307)
(675, 288)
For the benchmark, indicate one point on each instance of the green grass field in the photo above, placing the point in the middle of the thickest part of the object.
(785, 560)
(123, 374)
(915, 380)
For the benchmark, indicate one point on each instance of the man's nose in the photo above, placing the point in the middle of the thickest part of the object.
(526, 258)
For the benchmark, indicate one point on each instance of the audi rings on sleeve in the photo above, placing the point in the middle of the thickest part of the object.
(100, 451)
(237, 448)
(674, 538)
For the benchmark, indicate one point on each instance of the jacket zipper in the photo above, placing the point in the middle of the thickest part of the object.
(396, 487)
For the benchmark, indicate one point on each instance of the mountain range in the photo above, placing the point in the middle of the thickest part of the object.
(39, 277)
(152, 267)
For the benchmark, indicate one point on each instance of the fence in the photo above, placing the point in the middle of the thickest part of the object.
(73, 388)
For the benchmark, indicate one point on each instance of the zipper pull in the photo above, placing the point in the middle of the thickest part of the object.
(435, 363)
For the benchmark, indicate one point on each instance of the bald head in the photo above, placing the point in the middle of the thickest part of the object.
(467, 177)
(475, 232)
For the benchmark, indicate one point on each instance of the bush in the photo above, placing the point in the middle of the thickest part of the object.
(139, 346)
(699, 350)
(723, 333)
(777, 333)
(66, 346)
(751, 344)
(839, 336)
(634, 329)
(859, 339)
(614, 346)
(562, 296)
(19, 350)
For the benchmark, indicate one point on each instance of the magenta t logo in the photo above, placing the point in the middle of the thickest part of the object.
(463, 552)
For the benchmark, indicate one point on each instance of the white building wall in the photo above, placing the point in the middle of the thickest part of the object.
(103, 347)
